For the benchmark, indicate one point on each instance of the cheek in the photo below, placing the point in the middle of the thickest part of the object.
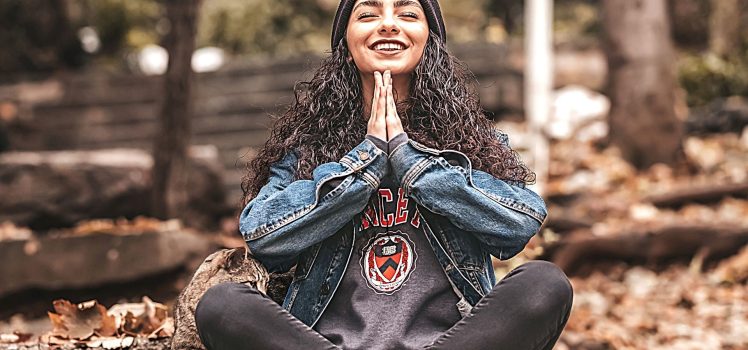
(419, 36)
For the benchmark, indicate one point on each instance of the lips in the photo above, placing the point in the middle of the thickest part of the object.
(389, 46)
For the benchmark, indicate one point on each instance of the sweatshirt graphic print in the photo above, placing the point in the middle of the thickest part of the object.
(388, 258)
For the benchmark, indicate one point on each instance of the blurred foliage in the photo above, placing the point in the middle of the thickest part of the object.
(259, 26)
(574, 20)
(42, 34)
(689, 24)
(707, 77)
(285, 27)
(37, 35)
(125, 24)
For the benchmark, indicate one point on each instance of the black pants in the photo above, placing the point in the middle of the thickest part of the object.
(527, 309)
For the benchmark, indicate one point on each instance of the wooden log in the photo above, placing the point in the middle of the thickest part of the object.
(80, 261)
(653, 248)
(709, 194)
(256, 106)
(57, 189)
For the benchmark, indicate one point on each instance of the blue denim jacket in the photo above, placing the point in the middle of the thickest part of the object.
(468, 215)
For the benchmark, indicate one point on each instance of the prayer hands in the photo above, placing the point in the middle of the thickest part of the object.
(384, 122)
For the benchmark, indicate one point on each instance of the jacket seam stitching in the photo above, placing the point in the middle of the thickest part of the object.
(413, 173)
(370, 179)
(520, 208)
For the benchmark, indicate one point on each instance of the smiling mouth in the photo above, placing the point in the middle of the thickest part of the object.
(388, 47)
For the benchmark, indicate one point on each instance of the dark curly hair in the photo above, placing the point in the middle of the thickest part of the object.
(442, 111)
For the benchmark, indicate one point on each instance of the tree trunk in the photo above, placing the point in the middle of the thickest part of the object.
(724, 27)
(539, 82)
(170, 177)
(641, 81)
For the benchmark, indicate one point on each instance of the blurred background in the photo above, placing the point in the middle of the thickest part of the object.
(125, 128)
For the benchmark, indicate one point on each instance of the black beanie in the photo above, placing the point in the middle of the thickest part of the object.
(430, 7)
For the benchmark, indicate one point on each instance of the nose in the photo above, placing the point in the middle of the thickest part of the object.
(388, 25)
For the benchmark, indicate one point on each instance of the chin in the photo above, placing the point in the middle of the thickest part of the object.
(396, 69)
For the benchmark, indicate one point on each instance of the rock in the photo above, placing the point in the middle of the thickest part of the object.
(227, 265)
(76, 261)
(720, 116)
(580, 113)
(45, 190)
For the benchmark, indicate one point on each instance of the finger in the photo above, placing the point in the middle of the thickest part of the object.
(382, 103)
(394, 125)
(374, 104)
(391, 112)
(378, 79)
(375, 96)
(380, 120)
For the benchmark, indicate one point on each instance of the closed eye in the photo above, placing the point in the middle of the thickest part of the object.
(366, 15)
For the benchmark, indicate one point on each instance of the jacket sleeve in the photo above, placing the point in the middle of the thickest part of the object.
(287, 217)
(502, 215)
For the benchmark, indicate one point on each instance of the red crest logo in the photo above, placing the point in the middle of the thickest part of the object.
(387, 261)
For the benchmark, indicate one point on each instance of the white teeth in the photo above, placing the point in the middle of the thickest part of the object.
(389, 46)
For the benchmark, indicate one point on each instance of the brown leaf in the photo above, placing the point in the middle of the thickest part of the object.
(109, 324)
(132, 324)
(80, 321)
(165, 330)
(58, 325)
(154, 316)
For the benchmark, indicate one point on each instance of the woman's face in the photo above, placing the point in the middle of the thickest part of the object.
(387, 35)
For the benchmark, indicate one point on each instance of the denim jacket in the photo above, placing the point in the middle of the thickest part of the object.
(468, 216)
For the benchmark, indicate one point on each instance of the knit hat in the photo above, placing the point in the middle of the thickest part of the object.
(430, 7)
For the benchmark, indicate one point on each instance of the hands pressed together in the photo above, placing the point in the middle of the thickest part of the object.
(384, 122)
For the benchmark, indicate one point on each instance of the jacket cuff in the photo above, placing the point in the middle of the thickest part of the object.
(397, 141)
(411, 158)
(369, 161)
(381, 144)
(407, 162)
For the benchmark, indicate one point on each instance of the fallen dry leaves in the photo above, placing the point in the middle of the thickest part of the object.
(632, 307)
(81, 321)
(91, 325)
(612, 195)
(635, 308)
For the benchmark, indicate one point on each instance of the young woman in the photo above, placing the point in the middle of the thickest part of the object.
(388, 189)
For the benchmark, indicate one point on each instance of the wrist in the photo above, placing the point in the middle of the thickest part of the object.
(381, 144)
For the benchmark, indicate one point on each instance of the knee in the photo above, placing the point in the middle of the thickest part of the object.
(549, 290)
(208, 309)
(213, 306)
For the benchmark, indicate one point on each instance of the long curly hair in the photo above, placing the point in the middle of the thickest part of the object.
(442, 111)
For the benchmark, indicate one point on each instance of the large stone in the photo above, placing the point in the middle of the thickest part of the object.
(78, 261)
(226, 265)
(45, 190)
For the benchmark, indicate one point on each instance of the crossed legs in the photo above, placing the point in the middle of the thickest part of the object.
(527, 309)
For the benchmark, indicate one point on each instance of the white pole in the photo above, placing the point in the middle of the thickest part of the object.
(539, 82)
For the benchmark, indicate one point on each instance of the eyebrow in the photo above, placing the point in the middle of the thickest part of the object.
(379, 3)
